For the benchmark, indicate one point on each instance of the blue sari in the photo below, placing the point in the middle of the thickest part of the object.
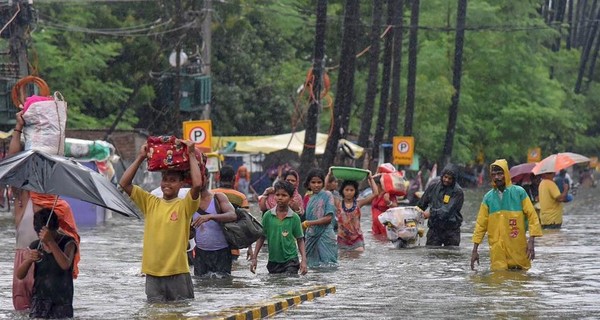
(321, 240)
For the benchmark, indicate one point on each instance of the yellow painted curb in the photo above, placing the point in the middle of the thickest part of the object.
(269, 308)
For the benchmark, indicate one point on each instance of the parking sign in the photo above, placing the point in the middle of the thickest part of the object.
(404, 150)
(199, 131)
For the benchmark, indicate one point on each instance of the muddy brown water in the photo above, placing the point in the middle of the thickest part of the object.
(381, 283)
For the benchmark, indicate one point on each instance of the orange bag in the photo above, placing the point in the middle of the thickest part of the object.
(165, 153)
(394, 183)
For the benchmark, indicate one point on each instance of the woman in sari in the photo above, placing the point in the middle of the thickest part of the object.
(267, 200)
(321, 240)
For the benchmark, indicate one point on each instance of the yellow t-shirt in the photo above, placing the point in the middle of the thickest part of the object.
(551, 210)
(166, 230)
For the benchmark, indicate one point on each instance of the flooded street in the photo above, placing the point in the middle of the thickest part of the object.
(381, 283)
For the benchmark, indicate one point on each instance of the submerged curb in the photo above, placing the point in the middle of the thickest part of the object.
(277, 304)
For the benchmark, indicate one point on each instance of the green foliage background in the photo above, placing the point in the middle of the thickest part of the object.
(262, 50)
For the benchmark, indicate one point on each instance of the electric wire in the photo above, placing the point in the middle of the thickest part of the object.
(123, 33)
(11, 19)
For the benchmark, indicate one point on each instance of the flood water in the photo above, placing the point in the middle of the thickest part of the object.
(381, 283)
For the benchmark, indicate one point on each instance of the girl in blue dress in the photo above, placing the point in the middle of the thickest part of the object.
(321, 240)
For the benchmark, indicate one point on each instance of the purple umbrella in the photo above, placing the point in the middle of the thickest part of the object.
(521, 172)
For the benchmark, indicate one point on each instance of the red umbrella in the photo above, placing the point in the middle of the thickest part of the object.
(556, 162)
(521, 172)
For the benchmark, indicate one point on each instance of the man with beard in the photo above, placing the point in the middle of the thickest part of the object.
(505, 213)
(444, 198)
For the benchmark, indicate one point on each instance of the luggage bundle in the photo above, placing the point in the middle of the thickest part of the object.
(392, 180)
(404, 225)
(45, 116)
(167, 153)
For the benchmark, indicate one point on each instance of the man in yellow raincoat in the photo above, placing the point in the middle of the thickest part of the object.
(503, 214)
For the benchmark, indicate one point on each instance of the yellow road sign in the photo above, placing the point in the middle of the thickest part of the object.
(199, 131)
(534, 154)
(404, 150)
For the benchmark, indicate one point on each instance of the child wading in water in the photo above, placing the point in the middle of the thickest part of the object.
(321, 243)
(53, 272)
(283, 230)
(350, 236)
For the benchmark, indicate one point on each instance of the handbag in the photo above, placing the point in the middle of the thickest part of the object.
(242, 232)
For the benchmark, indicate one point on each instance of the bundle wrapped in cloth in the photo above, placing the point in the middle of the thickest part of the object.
(394, 183)
(169, 153)
(404, 225)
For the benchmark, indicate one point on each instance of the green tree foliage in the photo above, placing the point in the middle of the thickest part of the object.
(262, 50)
(79, 52)
(256, 67)
(508, 102)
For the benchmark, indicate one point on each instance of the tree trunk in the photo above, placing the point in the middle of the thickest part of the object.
(411, 86)
(307, 159)
(367, 115)
(571, 24)
(585, 53)
(589, 24)
(561, 8)
(559, 15)
(396, 70)
(593, 60)
(345, 88)
(584, 24)
(577, 23)
(459, 41)
(385, 82)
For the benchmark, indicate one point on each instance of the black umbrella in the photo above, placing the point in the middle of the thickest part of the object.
(44, 173)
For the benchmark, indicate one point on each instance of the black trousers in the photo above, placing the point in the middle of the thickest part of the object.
(290, 267)
(443, 237)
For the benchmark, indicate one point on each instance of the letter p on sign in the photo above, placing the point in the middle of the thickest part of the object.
(199, 131)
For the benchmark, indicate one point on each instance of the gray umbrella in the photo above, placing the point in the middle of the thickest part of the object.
(44, 173)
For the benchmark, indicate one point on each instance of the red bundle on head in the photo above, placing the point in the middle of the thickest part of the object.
(386, 168)
(394, 183)
(167, 153)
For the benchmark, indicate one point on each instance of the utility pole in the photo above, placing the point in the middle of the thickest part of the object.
(310, 138)
(18, 41)
(176, 125)
(206, 52)
(17, 16)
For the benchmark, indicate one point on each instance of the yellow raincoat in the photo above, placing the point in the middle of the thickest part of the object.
(503, 217)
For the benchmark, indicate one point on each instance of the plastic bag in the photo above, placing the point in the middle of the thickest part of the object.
(402, 223)
(45, 125)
